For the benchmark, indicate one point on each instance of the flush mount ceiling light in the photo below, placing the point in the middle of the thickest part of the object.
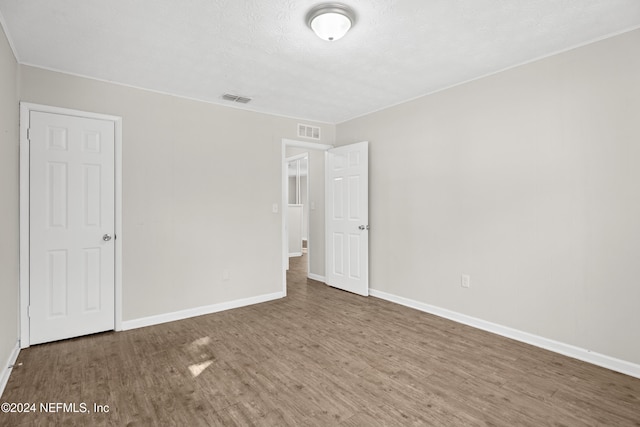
(331, 21)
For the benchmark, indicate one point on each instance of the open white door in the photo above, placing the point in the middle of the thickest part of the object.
(72, 224)
(347, 218)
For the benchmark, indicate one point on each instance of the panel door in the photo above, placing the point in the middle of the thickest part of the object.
(347, 218)
(72, 221)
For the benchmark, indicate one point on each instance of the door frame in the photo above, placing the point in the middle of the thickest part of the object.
(284, 202)
(25, 110)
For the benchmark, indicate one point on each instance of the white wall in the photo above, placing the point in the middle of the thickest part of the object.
(190, 210)
(528, 181)
(9, 202)
(294, 229)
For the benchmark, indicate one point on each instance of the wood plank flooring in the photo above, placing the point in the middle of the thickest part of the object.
(320, 357)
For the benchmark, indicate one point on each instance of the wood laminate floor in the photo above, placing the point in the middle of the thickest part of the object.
(320, 357)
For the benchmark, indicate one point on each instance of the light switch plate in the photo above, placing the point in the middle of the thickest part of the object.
(465, 281)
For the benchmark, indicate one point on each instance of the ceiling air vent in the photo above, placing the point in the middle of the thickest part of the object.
(308, 131)
(236, 98)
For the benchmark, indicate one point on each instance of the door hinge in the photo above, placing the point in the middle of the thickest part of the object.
(29, 311)
(29, 134)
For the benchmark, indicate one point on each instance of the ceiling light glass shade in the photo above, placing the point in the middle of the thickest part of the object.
(331, 26)
(331, 21)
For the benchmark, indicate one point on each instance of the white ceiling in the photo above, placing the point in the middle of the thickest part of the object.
(398, 49)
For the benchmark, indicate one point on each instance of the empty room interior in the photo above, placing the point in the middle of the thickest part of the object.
(400, 212)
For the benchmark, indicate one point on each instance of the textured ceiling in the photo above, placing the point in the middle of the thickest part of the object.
(398, 50)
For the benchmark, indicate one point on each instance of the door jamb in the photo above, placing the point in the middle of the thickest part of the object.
(25, 109)
(284, 202)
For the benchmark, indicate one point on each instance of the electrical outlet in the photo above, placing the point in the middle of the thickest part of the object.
(465, 281)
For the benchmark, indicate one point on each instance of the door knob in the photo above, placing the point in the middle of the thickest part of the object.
(363, 227)
(106, 237)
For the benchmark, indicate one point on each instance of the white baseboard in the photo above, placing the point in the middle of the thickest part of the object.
(585, 355)
(316, 277)
(8, 367)
(294, 254)
(197, 311)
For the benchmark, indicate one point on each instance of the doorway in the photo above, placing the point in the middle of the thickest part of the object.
(338, 238)
(308, 186)
(298, 219)
(70, 223)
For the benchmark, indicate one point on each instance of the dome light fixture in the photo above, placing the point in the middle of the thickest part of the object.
(331, 21)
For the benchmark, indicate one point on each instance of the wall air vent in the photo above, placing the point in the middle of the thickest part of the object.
(236, 98)
(308, 131)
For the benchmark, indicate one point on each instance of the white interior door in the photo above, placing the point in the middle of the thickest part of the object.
(347, 218)
(71, 226)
